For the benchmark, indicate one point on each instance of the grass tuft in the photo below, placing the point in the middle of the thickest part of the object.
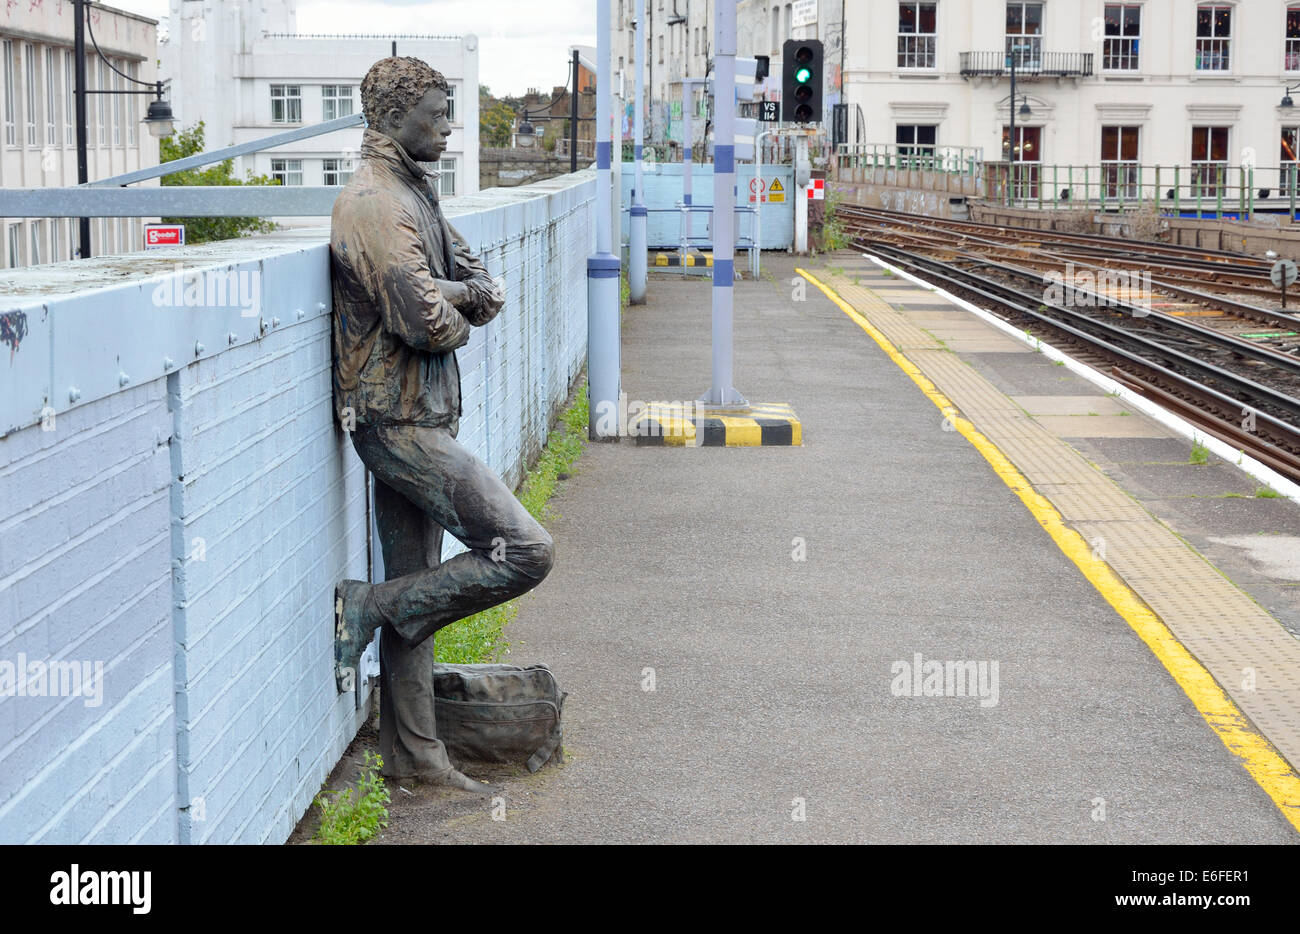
(355, 814)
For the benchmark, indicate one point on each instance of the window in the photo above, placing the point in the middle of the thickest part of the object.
(1209, 157)
(69, 101)
(286, 103)
(37, 230)
(916, 35)
(1119, 160)
(15, 245)
(102, 103)
(1292, 59)
(336, 101)
(51, 99)
(776, 30)
(1026, 157)
(117, 109)
(915, 140)
(446, 178)
(132, 107)
(1025, 33)
(287, 171)
(1123, 30)
(11, 78)
(1288, 161)
(337, 171)
(29, 65)
(451, 103)
(1213, 37)
(661, 50)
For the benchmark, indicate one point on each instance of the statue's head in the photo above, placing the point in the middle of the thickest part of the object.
(407, 100)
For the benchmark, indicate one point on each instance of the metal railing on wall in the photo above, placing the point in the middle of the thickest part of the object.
(1207, 189)
(952, 160)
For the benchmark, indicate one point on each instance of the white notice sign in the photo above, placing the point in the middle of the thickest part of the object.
(803, 13)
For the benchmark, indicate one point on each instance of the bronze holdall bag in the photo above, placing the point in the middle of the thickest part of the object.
(499, 713)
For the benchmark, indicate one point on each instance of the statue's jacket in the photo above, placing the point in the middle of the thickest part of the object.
(395, 336)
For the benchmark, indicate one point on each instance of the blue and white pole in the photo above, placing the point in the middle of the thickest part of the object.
(688, 101)
(636, 246)
(603, 341)
(724, 204)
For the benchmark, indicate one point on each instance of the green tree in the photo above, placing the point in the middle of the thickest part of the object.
(182, 143)
(495, 122)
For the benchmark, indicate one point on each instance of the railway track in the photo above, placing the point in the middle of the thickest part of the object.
(1186, 272)
(1188, 350)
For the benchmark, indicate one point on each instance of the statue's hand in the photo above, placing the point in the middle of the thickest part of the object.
(455, 292)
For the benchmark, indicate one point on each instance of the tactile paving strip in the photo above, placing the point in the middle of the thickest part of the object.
(1254, 660)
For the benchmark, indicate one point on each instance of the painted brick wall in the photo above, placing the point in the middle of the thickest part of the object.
(85, 576)
(188, 531)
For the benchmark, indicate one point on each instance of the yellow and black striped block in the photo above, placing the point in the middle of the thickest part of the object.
(692, 259)
(756, 425)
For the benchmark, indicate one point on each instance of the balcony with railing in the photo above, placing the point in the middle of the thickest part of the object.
(1030, 63)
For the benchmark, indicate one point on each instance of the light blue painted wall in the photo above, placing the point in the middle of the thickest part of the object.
(185, 526)
(663, 189)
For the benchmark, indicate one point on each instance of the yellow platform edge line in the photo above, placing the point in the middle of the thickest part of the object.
(1264, 763)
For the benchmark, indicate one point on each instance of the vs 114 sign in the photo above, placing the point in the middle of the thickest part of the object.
(769, 111)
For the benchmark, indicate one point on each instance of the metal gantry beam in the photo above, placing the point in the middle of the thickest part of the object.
(230, 152)
(171, 201)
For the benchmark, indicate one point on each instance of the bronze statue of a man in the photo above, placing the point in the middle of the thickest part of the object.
(406, 292)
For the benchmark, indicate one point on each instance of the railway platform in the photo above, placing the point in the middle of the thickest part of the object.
(985, 601)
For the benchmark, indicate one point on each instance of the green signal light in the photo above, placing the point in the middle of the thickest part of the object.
(802, 75)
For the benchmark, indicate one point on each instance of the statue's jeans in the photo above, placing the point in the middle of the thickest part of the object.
(427, 482)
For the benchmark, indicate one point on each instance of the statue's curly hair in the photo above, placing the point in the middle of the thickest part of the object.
(396, 83)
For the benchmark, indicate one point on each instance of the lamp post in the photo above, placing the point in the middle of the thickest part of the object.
(1024, 112)
(159, 118)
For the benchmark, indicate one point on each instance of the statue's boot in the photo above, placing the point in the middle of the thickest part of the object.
(356, 617)
(459, 780)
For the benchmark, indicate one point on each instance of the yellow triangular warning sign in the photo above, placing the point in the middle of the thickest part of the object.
(776, 185)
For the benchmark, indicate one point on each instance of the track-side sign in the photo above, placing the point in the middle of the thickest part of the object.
(160, 235)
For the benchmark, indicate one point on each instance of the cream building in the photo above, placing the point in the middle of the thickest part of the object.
(247, 73)
(39, 138)
(1167, 82)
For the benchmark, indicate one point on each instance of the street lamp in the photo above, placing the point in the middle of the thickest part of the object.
(159, 120)
(1286, 99)
(1012, 55)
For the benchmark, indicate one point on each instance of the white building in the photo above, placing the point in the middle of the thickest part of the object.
(38, 144)
(1167, 82)
(245, 71)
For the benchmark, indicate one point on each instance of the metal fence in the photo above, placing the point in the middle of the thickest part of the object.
(1200, 189)
(953, 160)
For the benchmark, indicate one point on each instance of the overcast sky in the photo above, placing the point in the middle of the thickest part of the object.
(524, 43)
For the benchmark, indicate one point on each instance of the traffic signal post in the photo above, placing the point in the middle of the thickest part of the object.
(802, 79)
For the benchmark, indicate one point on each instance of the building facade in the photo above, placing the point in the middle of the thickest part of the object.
(245, 71)
(680, 39)
(1192, 83)
(38, 142)
(1146, 82)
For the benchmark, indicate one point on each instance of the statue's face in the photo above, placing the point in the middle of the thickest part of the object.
(424, 130)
